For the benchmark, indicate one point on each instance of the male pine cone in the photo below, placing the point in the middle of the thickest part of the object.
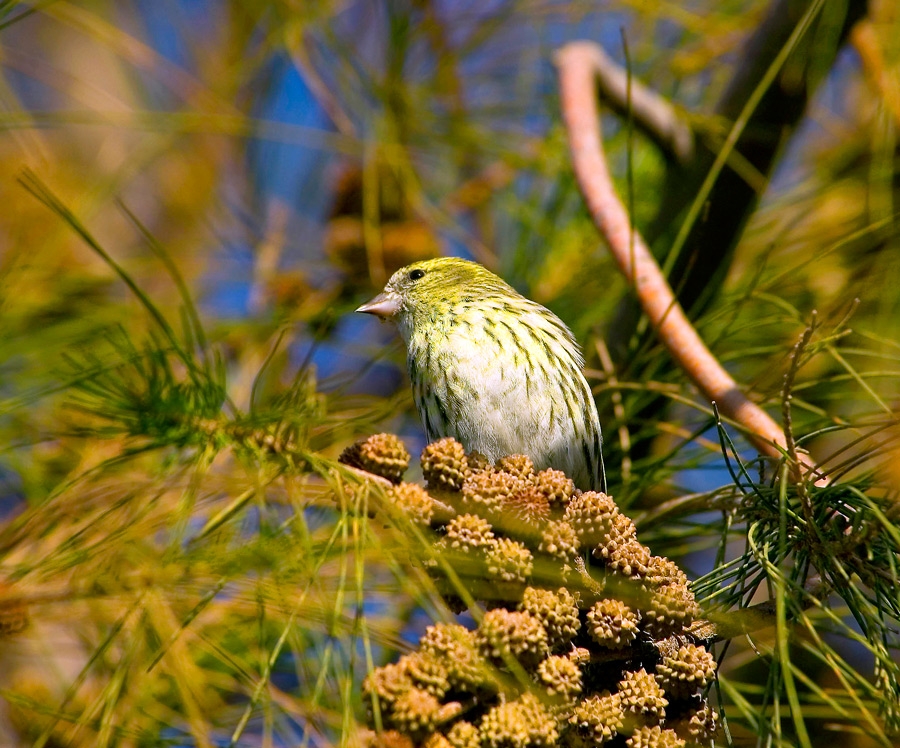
(560, 657)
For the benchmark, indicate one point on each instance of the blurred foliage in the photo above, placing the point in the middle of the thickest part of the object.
(195, 197)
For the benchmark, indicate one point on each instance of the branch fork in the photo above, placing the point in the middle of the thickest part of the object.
(579, 64)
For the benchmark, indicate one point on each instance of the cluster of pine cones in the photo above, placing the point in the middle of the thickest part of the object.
(584, 638)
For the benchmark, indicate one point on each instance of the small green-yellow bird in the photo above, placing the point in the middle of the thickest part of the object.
(498, 372)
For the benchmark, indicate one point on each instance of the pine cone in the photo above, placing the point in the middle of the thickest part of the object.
(380, 454)
(444, 464)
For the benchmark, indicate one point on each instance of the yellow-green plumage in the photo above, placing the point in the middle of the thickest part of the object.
(499, 372)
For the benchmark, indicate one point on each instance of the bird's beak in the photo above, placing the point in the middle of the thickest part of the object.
(383, 305)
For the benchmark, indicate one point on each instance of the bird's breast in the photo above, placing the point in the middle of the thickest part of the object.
(486, 384)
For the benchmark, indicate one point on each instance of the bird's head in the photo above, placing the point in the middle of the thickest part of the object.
(434, 287)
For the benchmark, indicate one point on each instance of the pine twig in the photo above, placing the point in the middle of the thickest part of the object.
(786, 397)
(618, 408)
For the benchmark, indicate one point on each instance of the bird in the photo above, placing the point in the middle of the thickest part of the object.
(493, 369)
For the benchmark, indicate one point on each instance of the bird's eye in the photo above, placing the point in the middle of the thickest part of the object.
(414, 275)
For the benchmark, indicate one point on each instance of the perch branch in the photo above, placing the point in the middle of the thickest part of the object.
(578, 64)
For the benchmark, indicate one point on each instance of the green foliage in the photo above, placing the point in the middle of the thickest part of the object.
(183, 560)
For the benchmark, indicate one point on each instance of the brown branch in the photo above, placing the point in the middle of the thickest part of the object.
(578, 64)
(649, 111)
